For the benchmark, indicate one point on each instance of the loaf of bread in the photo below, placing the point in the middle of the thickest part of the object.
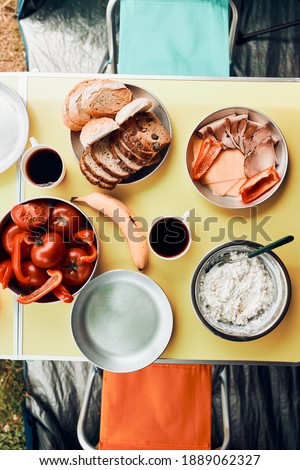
(94, 98)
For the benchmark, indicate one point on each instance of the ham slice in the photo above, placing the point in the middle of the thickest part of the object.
(260, 134)
(261, 158)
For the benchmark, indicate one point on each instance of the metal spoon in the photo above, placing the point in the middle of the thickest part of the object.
(262, 249)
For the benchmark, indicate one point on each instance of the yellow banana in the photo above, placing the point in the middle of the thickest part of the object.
(117, 211)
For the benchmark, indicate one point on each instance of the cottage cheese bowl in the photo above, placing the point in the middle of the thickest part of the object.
(238, 298)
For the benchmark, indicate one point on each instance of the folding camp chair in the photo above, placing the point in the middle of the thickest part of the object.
(166, 37)
(163, 406)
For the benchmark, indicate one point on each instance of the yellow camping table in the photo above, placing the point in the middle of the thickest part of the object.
(35, 331)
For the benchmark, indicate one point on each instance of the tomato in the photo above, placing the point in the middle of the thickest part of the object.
(38, 276)
(75, 273)
(8, 236)
(48, 250)
(31, 215)
(65, 220)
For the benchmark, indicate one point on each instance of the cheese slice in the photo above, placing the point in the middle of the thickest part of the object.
(229, 165)
(234, 191)
(222, 187)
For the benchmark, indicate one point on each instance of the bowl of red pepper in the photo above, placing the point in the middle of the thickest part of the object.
(236, 157)
(48, 250)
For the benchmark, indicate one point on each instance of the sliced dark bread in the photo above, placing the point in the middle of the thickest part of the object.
(97, 170)
(92, 179)
(131, 162)
(145, 135)
(102, 154)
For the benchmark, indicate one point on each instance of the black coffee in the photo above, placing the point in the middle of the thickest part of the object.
(44, 166)
(169, 237)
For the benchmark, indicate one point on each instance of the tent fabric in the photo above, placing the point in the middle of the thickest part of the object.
(63, 35)
(167, 37)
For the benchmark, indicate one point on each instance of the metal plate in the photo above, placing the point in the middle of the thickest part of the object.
(121, 321)
(280, 150)
(14, 127)
(159, 110)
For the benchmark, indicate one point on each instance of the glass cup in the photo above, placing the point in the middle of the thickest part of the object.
(42, 166)
(170, 237)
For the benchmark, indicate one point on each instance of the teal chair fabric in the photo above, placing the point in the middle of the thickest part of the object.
(167, 37)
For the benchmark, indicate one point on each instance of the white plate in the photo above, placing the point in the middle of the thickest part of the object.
(159, 110)
(121, 321)
(280, 150)
(14, 127)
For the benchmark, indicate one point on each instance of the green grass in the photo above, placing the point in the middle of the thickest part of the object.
(12, 393)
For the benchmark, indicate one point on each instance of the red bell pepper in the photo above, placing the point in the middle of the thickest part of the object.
(259, 184)
(51, 283)
(208, 152)
(62, 293)
(87, 236)
(6, 272)
(16, 257)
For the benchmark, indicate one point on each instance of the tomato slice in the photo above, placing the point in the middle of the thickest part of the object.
(52, 282)
(31, 215)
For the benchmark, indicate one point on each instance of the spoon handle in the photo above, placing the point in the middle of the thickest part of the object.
(275, 244)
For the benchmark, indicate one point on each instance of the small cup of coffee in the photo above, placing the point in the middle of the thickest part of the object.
(42, 166)
(170, 237)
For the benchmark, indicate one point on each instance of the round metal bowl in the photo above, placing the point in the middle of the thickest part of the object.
(281, 151)
(263, 322)
(14, 286)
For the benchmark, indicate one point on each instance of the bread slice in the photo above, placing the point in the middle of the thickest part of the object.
(132, 108)
(96, 129)
(144, 135)
(97, 170)
(102, 154)
(104, 98)
(97, 181)
(132, 163)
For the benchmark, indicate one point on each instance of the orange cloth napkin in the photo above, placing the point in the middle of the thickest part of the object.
(163, 406)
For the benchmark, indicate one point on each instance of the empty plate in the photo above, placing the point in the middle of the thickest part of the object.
(14, 127)
(122, 321)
